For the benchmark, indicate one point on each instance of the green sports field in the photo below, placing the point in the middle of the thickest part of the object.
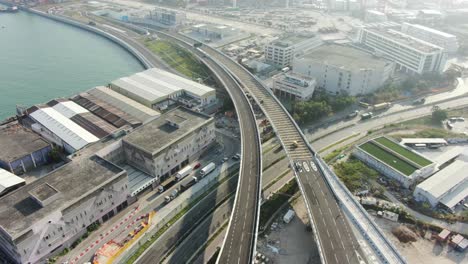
(388, 158)
(421, 161)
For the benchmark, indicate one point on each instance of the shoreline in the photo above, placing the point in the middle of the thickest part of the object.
(141, 59)
(127, 47)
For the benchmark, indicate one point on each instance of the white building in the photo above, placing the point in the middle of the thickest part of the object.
(375, 16)
(163, 146)
(410, 54)
(9, 182)
(341, 69)
(447, 41)
(344, 5)
(160, 17)
(44, 217)
(281, 52)
(157, 89)
(214, 32)
(59, 129)
(294, 86)
(447, 187)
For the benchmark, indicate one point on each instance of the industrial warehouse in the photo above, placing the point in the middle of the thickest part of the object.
(447, 187)
(159, 89)
(394, 161)
(99, 181)
(125, 104)
(163, 146)
(22, 149)
(119, 148)
(53, 211)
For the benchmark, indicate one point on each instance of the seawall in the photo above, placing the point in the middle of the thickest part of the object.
(143, 61)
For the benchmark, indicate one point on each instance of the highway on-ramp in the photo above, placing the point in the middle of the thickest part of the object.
(240, 240)
(239, 243)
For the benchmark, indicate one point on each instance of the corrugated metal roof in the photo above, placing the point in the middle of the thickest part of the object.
(448, 184)
(124, 103)
(155, 85)
(94, 124)
(181, 82)
(105, 111)
(69, 109)
(70, 132)
(8, 180)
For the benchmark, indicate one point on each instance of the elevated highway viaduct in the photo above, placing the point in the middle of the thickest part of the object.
(335, 240)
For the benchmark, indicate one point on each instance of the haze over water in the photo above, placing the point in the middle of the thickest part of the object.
(41, 59)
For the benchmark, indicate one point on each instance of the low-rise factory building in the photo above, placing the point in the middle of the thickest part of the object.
(163, 146)
(215, 32)
(448, 187)
(158, 89)
(49, 214)
(105, 111)
(22, 149)
(395, 161)
(294, 86)
(342, 69)
(82, 117)
(125, 104)
(58, 129)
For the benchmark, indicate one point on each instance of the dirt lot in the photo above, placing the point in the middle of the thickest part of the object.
(290, 243)
(424, 250)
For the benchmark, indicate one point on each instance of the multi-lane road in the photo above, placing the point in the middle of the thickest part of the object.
(239, 243)
(335, 234)
(332, 231)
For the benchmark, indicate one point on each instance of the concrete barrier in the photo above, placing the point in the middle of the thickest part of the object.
(143, 61)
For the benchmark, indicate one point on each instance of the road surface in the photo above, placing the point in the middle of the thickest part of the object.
(333, 245)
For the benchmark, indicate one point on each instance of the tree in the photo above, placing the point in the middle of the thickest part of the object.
(54, 154)
(438, 115)
(310, 111)
(453, 73)
(228, 105)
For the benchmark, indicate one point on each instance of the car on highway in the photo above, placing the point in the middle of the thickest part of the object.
(198, 165)
(298, 167)
(352, 114)
(306, 167)
(313, 166)
(295, 144)
(225, 159)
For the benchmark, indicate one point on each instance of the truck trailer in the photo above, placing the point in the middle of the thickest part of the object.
(184, 172)
(184, 186)
(381, 106)
(207, 169)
